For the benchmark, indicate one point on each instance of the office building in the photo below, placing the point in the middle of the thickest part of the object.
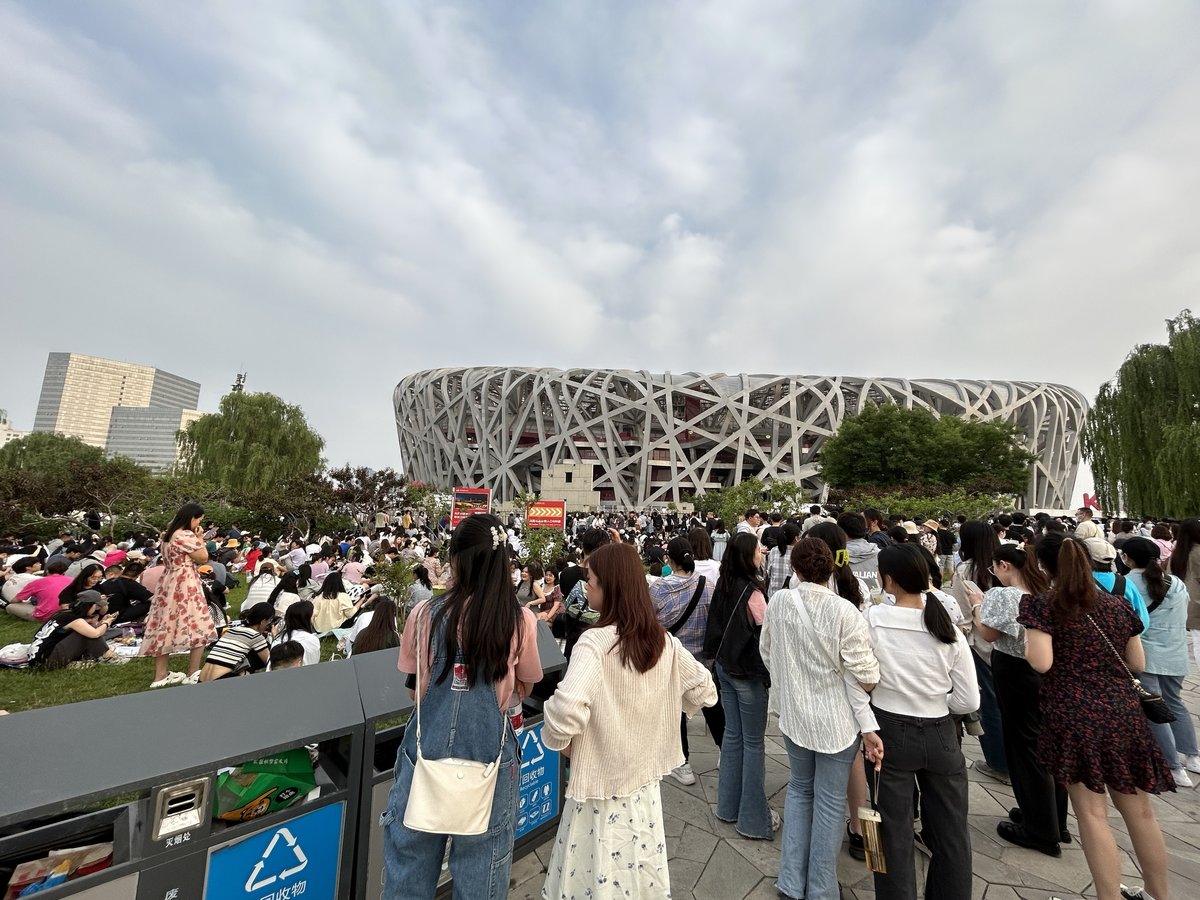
(81, 396)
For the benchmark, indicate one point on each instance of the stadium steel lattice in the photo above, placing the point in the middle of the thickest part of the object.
(654, 438)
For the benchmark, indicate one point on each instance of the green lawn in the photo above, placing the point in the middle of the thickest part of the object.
(22, 689)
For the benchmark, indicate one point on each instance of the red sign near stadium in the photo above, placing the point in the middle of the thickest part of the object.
(469, 502)
(546, 514)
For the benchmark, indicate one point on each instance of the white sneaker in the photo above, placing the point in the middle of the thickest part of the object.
(169, 679)
(1192, 763)
(683, 774)
(1181, 778)
(718, 765)
(194, 678)
(1131, 894)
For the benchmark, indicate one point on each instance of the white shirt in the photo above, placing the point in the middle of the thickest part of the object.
(309, 641)
(356, 629)
(918, 674)
(809, 669)
(710, 569)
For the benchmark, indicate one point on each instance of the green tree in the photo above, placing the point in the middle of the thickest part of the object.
(252, 442)
(44, 451)
(361, 492)
(1142, 437)
(889, 446)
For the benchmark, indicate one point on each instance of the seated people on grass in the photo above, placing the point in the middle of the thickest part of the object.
(286, 655)
(23, 571)
(38, 600)
(242, 648)
(127, 597)
(75, 636)
(298, 627)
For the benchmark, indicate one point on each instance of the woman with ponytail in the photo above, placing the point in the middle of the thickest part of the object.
(1039, 820)
(471, 655)
(926, 676)
(1095, 739)
(1166, 646)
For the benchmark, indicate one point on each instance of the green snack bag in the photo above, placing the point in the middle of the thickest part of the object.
(265, 785)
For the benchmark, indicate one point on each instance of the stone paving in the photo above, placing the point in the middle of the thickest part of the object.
(709, 861)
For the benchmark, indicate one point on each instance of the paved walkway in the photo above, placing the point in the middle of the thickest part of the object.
(709, 861)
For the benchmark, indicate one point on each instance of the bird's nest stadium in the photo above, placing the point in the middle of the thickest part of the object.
(653, 438)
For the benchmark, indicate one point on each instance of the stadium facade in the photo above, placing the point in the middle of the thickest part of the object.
(654, 438)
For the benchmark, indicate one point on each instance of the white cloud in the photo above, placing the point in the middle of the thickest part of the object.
(334, 198)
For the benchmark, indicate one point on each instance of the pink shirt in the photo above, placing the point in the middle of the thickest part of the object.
(523, 665)
(44, 592)
(756, 607)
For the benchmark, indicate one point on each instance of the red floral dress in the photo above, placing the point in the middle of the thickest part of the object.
(1093, 729)
(179, 620)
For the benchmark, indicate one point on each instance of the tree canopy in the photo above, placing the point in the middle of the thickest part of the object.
(253, 441)
(1142, 437)
(888, 446)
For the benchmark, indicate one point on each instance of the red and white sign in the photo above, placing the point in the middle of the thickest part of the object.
(469, 502)
(546, 514)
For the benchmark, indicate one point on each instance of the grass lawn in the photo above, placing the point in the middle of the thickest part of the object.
(22, 689)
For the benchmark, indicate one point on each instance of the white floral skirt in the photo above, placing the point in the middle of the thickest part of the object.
(611, 848)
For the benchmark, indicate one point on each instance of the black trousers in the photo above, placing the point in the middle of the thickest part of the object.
(923, 753)
(75, 647)
(714, 717)
(1043, 803)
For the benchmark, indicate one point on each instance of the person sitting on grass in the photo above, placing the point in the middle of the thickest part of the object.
(74, 638)
(298, 628)
(127, 597)
(286, 655)
(243, 648)
(38, 600)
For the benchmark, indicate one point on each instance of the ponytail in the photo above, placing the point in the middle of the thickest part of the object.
(1144, 554)
(1070, 567)
(1023, 561)
(1156, 581)
(937, 620)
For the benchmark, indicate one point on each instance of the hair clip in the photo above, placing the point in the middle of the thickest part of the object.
(841, 558)
(498, 537)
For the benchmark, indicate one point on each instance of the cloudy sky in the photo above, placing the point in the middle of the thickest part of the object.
(329, 196)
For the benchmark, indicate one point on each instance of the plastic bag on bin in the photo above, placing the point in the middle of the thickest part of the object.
(265, 785)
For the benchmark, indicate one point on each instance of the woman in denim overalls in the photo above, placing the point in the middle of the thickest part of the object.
(495, 652)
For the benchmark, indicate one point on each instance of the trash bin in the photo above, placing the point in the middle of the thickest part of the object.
(386, 706)
(140, 772)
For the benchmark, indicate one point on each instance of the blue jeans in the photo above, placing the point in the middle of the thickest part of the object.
(1178, 737)
(813, 821)
(992, 740)
(741, 784)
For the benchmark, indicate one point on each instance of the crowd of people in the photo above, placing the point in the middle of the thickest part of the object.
(879, 643)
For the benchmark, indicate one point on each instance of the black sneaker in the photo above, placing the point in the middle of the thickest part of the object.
(1016, 834)
(1015, 815)
(855, 844)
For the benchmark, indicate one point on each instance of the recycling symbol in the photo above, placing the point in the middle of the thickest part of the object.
(253, 884)
(531, 738)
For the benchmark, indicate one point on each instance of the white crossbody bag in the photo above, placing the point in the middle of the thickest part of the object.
(451, 795)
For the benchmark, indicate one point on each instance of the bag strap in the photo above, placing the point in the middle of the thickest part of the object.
(813, 628)
(691, 607)
(1119, 657)
(1118, 587)
(504, 721)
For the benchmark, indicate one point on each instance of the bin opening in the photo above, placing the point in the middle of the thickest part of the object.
(68, 848)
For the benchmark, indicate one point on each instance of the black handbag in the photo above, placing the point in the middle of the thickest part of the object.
(1154, 706)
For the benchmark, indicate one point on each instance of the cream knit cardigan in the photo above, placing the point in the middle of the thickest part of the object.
(622, 725)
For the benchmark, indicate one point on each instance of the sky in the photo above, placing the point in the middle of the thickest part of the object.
(329, 196)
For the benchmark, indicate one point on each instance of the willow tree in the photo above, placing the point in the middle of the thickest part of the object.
(252, 442)
(1142, 438)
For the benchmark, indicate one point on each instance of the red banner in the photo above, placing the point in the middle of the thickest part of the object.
(469, 502)
(546, 514)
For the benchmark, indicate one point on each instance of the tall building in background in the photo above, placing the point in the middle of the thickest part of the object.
(126, 409)
(7, 433)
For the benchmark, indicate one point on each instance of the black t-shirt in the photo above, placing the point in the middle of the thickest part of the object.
(770, 536)
(123, 593)
(569, 577)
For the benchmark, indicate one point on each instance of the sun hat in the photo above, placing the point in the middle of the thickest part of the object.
(911, 527)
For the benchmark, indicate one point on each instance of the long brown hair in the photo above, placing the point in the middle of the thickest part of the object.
(640, 637)
(1023, 561)
(1069, 565)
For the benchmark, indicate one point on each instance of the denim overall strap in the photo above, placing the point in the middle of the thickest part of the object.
(469, 706)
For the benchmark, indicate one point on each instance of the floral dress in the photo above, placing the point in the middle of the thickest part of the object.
(179, 620)
(1094, 732)
(613, 848)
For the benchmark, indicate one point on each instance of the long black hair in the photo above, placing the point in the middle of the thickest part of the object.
(1069, 565)
(977, 547)
(68, 594)
(481, 605)
(1189, 538)
(905, 564)
(737, 565)
(298, 618)
(379, 633)
(332, 586)
(287, 584)
(1144, 554)
(844, 581)
(422, 575)
(183, 519)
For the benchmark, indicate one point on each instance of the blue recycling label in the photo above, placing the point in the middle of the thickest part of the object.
(296, 859)
(538, 801)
